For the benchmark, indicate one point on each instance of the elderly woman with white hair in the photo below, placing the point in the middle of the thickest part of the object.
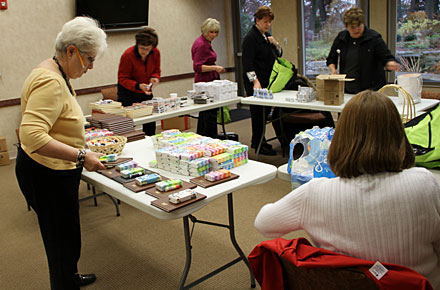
(204, 58)
(52, 156)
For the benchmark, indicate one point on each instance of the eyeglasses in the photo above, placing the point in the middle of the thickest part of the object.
(89, 58)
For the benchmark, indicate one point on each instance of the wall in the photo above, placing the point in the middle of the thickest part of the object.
(32, 29)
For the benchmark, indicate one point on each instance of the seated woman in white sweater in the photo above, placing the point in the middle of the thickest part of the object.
(379, 207)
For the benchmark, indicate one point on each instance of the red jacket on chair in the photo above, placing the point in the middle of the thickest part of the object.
(265, 264)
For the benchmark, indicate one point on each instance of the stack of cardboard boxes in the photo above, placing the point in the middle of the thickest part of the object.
(330, 89)
(4, 155)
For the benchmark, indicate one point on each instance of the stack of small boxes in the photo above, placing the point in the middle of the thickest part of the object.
(217, 90)
(194, 155)
(162, 105)
(4, 155)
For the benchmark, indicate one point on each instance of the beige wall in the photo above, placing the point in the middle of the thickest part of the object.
(29, 32)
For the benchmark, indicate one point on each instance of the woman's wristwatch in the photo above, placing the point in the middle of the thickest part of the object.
(80, 158)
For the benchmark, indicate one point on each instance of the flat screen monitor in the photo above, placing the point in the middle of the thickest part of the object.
(115, 13)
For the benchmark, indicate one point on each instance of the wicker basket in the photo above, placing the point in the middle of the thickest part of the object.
(408, 105)
(116, 147)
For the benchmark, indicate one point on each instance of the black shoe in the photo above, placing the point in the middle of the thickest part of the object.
(266, 151)
(84, 279)
(265, 145)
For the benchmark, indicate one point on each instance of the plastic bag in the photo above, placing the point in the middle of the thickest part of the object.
(226, 115)
(308, 155)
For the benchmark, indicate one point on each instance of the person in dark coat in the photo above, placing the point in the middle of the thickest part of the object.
(260, 50)
(360, 53)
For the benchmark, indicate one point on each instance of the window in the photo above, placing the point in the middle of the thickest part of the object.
(322, 21)
(417, 37)
(247, 10)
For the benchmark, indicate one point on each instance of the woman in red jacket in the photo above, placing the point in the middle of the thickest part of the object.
(139, 72)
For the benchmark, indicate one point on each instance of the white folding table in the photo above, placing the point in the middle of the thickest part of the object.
(279, 100)
(142, 151)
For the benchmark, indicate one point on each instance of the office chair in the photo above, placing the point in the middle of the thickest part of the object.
(296, 264)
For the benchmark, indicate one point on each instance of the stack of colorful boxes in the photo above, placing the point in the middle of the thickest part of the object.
(194, 155)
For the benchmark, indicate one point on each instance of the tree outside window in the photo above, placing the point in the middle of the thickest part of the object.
(418, 37)
(247, 10)
(323, 20)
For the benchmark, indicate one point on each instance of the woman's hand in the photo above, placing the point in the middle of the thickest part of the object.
(332, 69)
(392, 65)
(273, 41)
(91, 161)
(257, 84)
(219, 69)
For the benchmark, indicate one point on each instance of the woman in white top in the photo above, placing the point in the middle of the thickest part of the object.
(379, 207)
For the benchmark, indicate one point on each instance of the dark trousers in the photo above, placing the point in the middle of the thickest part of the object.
(207, 123)
(127, 98)
(53, 194)
(258, 125)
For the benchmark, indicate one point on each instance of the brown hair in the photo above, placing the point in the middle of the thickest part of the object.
(262, 12)
(354, 16)
(147, 36)
(369, 138)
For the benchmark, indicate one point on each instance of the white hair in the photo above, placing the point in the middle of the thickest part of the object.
(84, 33)
(210, 24)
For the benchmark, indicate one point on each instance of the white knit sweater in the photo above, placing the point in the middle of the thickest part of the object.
(389, 217)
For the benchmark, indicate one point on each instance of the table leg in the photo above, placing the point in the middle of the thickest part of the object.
(188, 252)
(223, 123)
(188, 248)
(234, 241)
(263, 134)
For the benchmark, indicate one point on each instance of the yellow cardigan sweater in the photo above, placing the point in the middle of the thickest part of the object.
(49, 112)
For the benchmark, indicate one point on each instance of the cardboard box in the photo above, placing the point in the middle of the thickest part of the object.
(3, 144)
(4, 158)
(330, 89)
(181, 123)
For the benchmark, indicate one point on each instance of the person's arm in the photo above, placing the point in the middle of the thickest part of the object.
(332, 58)
(282, 217)
(56, 149)
(124, 74)
(276, 44)
(332, 68)
(383, 54)
(157, 71)
(248, 57)
(42, 111)
(217, 68)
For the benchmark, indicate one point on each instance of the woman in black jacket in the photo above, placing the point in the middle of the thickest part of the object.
(362, 53)
(260, 50)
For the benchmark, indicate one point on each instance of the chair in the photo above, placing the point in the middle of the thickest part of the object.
(110, 93)
(295, 120)
(324, 278)
(296, 264)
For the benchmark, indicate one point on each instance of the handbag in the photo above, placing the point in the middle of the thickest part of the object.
(282, 72)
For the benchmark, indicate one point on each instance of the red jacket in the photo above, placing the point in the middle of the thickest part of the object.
(132, 70)
(265, 264)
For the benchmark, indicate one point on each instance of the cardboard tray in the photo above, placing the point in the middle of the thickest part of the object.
(159, 194)
(201, 181)
(164, 205)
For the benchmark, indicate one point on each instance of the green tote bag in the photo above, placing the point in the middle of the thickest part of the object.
(282, 71)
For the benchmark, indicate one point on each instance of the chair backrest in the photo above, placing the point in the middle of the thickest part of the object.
(324, 278)
(110, 93)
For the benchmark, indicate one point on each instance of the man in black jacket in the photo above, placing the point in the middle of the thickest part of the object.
(361, 54)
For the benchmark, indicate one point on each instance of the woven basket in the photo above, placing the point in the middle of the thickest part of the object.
(408, 105)
(116, 147)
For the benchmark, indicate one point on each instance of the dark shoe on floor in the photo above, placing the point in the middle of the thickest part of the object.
(266, 151)
(84, 279)
(265, 145)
